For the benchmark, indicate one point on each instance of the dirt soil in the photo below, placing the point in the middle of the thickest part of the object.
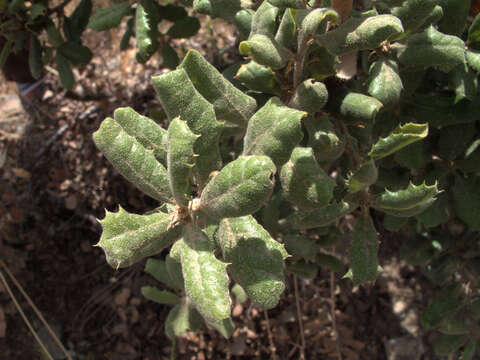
(54, 184)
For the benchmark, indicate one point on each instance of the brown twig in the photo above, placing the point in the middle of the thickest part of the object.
(273, 349)
(299, 316)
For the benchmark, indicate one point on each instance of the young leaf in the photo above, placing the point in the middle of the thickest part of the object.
(258, 78)
(146, 30)
(274, 131)
(35, 58)
(65, 71)
(128, 238)
(365, 176)
(304, 182)
(361, 33)
(206, 279)
(146, 131)
(239, 293)
(180, 160)
(230, 104)
(356, 106)
(363, 251)
(158, 269)
(256, 259)
(303, 220)
(132, 160)
(309, 96)
(431, 48)
(110, 17)
(384, 82)
(242, 187)
(181, 318)
(466, 195)
(266, 51)
(180, 98)
(402, 136)
(159, 296)
(408, 202)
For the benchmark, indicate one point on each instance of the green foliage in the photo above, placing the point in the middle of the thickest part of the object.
(316, 148)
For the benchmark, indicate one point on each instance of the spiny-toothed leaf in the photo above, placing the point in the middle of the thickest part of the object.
(466, 195)
(76, 53)
(128, 238)
(307, 271)
(447, 344)
(455, 13)
(431, 48)
(363, 251)
(258, 78)
(181, 318)
(266, 51)
(384, 82)
(256, 259)
(303, 220)
(365, 176)
(35, 62)
(444, 305)
(359, 107)
(243, 22)
(264, 20)
(180, 98)
(148, 133)
(230, 104)
(309, 96)
(326, 145)
(137, 164)
(242, 187)
(330, 262)
(180, 160)
(184, 28)
(473, 59)
(159, 296)
(474, 31)
(464, 81)
(453, 326)
(107, 18)
(402, 136)
(158, 269)
(301, 247)
(64, 71)
(361, 33)
(174, 270)
(304, 182)
(146, 30)
(413, 13)
(206, 279)
(468, 351)
(294, 4)
(274, 131)
(287, 30)
(408, 202)
(239, 293)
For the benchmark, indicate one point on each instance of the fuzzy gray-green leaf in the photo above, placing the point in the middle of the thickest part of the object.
(310, 219)
(158, 269)
(107, 18)
(266, 51)
(128, 238)
(258, 77)
(146, 30)
(361, 33)
(256, 259)
(206, 279)
(274, 131)
(304, 182)
(230, 104)
(359, 107)
(309, 96)
(132, 160)
(242, 187)
(159, 296)
(180, 98)
(365, 176)
(402, 136)
(322, 138)
(407, 202)
(363, 251)
(384, 82)
(181, 318)
(180, 160)
(413, 13)
(148, 133)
